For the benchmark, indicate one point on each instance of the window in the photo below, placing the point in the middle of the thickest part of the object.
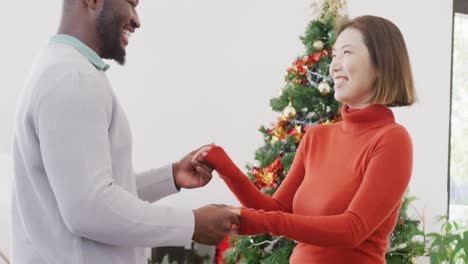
(458, 163)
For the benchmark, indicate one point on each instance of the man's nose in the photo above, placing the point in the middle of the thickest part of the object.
(136, 20)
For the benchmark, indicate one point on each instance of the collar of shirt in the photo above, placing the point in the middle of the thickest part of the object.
(92, 56)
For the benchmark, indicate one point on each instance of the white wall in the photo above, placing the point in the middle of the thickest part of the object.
(204, 71)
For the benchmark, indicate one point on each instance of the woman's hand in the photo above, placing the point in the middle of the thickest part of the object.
(235, 210)
(199, 157)
(234, 227)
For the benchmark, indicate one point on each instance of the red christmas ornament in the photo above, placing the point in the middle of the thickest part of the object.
(296, 132)
(221, 248)
(282, 122)
(301, 66)
(303, 82)
(316, 56)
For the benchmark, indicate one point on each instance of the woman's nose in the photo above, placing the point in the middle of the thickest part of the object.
(335, 66)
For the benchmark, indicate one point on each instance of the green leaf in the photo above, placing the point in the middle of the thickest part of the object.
(465, 245)
(457, 249)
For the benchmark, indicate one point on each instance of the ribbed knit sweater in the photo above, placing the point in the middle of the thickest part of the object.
(76, 198)
(341, 198)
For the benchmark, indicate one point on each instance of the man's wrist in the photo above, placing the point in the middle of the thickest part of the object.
(175, 172)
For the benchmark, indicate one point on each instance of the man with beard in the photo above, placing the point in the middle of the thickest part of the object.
(75, 196)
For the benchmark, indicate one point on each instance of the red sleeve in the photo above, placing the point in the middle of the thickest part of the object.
(384, 183)
(247, 193)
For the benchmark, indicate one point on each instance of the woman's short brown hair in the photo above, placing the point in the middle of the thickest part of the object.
(387, 49)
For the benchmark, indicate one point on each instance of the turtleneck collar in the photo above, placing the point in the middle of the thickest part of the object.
(362, 119)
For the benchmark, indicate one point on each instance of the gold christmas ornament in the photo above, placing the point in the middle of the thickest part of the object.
(324, 88)
(294, 83)
(273, 140)
(318, 45)
(289, 112)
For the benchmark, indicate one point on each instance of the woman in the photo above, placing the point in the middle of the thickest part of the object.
(341, 198)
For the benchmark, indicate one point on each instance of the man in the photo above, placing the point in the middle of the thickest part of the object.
(75, 197)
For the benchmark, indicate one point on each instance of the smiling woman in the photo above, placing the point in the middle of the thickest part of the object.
(341, 198)
(371, 64)
(352, 70)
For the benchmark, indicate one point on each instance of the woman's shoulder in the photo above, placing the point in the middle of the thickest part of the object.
(395, 133)
(395, 129)
(323, 126)
(321, 131)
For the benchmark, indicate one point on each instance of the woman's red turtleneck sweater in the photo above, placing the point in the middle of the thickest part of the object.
(341, 198)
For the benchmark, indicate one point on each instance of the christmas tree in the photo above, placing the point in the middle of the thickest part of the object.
(307, 100)
(404, 245)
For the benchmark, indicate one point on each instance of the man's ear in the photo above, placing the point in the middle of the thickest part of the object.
(93, 4)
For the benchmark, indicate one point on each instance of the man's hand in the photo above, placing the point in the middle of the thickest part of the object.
(235, 210)
(190, 175)
(213, 223)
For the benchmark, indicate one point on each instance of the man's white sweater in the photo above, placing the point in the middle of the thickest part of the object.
(75, 196)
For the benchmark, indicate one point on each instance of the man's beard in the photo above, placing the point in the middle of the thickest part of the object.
(109, 34)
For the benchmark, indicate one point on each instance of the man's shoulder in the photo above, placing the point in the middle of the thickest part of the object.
(60, 70)
(61, 63)
(63, 58)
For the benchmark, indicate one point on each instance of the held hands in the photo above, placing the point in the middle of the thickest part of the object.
(216, 157)
(188, 175)
(199, 157)
(199, 160)
(214, 222)
(226, 218)
(235, 210)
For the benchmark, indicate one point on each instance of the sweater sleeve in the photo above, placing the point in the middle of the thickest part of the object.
(384, 183)
(72, 122)
(155, 184)
(247, 193)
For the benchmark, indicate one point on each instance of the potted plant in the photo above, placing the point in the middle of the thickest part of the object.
(448, 246)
